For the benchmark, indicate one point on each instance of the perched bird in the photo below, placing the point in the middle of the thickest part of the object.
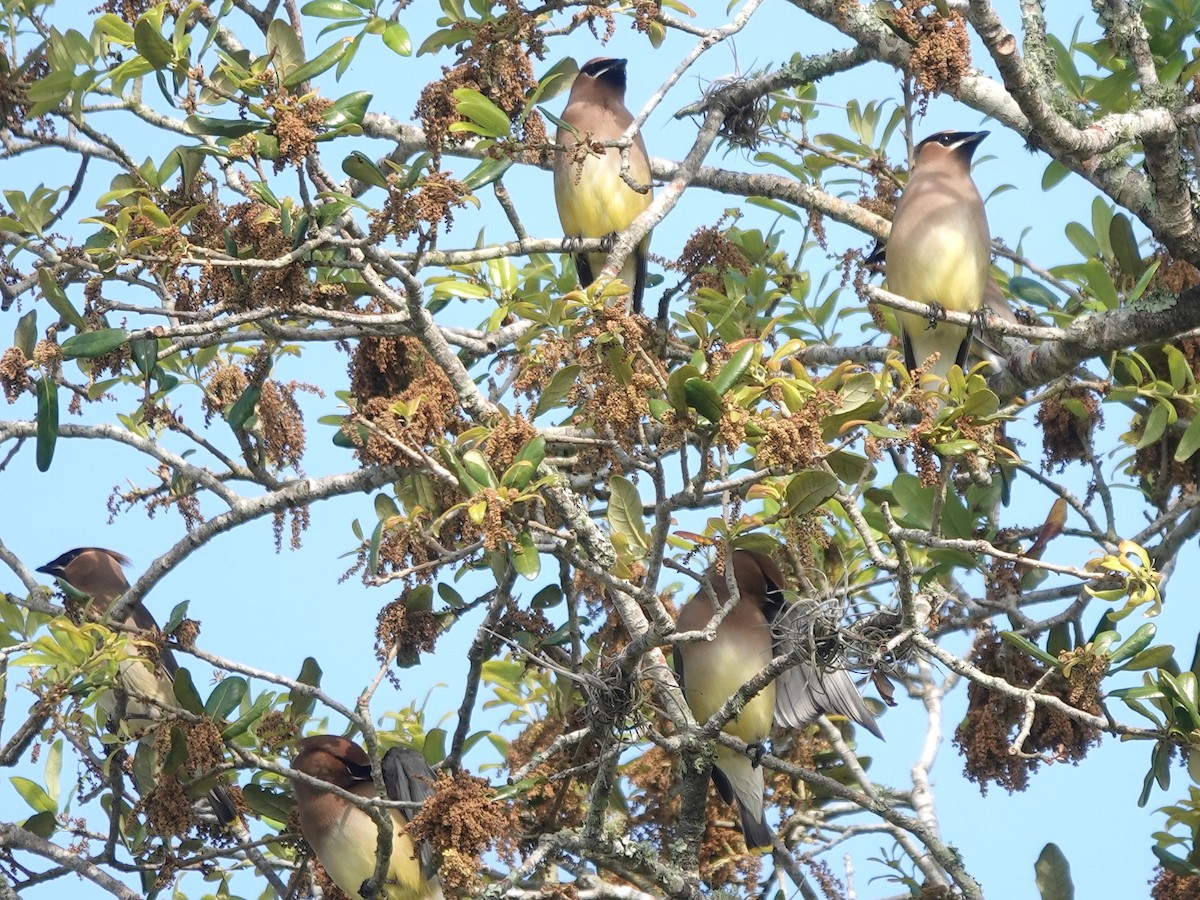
(747, 639)
(593, 200)
(97, 572)
(939, 249)
(343, 836)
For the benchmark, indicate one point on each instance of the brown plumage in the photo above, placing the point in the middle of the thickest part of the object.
(344, 836)
(758, 628)
(97, 572)
(593, 199)
(939, 249)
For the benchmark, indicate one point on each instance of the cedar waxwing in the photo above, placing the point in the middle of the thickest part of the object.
(939, 249)
(747, 639)
(343, 836)
(593, 199)
(97, 572)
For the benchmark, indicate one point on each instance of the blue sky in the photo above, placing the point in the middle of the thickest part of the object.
(271, 610)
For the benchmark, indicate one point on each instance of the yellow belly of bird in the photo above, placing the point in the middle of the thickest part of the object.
(715, 672)
(941, 268)
(348, 855)
(598, 203)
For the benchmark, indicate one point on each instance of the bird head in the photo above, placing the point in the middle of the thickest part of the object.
(332, 758)
(959, 145)
(607, 71)
(90, 570)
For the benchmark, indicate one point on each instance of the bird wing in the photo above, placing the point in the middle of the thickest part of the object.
(407, 777)
(807, 690)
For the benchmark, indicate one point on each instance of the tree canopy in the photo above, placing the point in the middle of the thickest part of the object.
(257, 295)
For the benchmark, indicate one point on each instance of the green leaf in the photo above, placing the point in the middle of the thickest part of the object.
(486, 172)
(25, 334)
(331, 9)
(625, 511)
(396, 39)
(1054, 174)
(243, 408)
(273, 805)
(302, 704)
(94, 343)
(808, 490)
(153, 47)
(58, 301)
(327, 59)
(348, 110)
(1189, 443)
(33, 794)
(145, 354)
(225, 697)
(361, 167)
(491, 120)
(1023, 643)
(734, 369)
(525, 465)
(222, 128)
(283, 42)
(186, 694)
(525, 556)
(385, 507)
(47, 421)
(1137, 642)
(703, 397)
(1052, 874)
(1124, 245)
(560, 385)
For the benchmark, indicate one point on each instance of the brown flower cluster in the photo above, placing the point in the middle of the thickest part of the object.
(1168, 885)
(282, 422)
(1068, 421)
(421, 208)
(297, 124)
(495, 61)
(14, 378)
(410, 632)
(554, 801)
(248, 225)
(707, 256)
(462, 821)
(985, 736)
(386, 372)
(941, 53)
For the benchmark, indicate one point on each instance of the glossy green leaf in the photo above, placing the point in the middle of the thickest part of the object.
(25, 334)
(58, 301)
(625, 511)
(735, 368)
(703, 397)
(47, 421)
(226, 696)
(186, 694)
(1023, 643)
(33, 794)
(302, 704)
(489, 119)
(525, 557)
(324, 61)
(243, 408)
(808, 490)
(156, 49)
(396, 39)
(560, 385)
(331, 9)
(1052, 875)
(221, 128)
(526, 463)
